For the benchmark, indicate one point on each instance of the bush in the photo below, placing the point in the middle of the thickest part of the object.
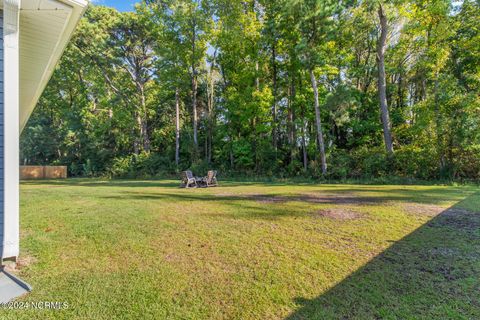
(199, 167)
(294, 168)
(373, 163)
(142, 165)
(466, 162)
(413, 161)
(369, 163)
(340, 165)
(408, 162)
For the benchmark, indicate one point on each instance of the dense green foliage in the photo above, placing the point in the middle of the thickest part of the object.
(243, 76)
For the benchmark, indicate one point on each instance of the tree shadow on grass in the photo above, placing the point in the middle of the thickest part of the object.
(346, 193)
(347, 196)
(433, 273)
(129, 183)
(82, 182)
(269, 205)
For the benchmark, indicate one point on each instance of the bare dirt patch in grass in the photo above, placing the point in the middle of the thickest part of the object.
(320, 198)
(339, 214)
(343, 198)
(23, 261)
(429, 210)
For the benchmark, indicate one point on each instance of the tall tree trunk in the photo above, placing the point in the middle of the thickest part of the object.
(210, 107)
(291, 121)
(177, 127)
(382, 86)
(205, 144)
(232, 162)
(254, 120)
(146, 138)
(194, 88)
(304, 142)
(318, 122)
(208, 136)
(140, 144)
(136, 140)
(207, 133)
(439, 128)
(257, 78)
(194, 109)
(142, 118)
(400, 92)
(274, 105)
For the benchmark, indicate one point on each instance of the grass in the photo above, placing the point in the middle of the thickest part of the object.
(148, 250)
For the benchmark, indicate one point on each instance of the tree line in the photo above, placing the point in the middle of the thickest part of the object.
(339, 89)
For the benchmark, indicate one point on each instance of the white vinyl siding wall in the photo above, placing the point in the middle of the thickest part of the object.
(1, 137)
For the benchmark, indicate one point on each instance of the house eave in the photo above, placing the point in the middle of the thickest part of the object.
(46, 26)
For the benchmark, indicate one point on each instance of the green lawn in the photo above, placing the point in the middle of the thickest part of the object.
(149, 250)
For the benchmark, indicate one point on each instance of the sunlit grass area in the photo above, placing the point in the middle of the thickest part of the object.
(149, 250)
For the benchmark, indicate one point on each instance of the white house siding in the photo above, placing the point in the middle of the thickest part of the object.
(33, 36)
(1, 135)
(10, 129)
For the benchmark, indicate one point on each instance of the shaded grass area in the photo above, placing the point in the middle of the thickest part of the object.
(432, 273)
(146, 249)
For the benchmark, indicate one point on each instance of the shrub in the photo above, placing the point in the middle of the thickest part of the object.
(369, 163)
(413, 161)
(466, 162)
(140, 166)
(340, 165)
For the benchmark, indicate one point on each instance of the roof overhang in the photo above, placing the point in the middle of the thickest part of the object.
(45, 29)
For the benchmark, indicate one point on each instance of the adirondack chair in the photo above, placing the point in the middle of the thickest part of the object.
(211, 179)
(188, 180)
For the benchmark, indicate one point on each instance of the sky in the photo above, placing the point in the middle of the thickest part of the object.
(120, 5)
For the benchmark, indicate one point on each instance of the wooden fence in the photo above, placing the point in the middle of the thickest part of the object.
(43, 172)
